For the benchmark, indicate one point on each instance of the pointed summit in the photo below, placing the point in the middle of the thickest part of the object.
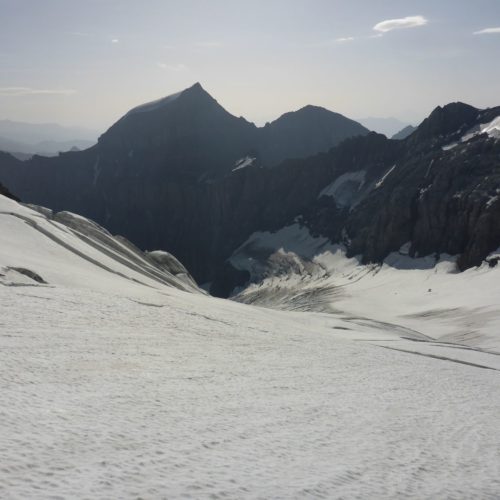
(184, 134)
(195, 90)
(196, 87)
(198, 94)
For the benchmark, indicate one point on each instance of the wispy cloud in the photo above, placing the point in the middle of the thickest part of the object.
(488, 31)
(80, 33)
(24, 91)
(103, 38)
(380, 29)
(402, 23)
(172, 67)
(330, 43)
(208, 44)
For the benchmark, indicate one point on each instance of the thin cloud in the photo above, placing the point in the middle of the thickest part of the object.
(80, 33)
(208, 45)
(115, 40)
(330, 43)
(172, 67)
(488, 31)
(402, 23)
(24, 91)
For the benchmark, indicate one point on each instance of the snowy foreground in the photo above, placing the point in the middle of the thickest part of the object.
(116, 383)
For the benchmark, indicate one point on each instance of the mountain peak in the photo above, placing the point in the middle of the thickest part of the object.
(454, 108)
(448, 119)
(311, 107)
(196, 86)
(313, 113)
(194, 90)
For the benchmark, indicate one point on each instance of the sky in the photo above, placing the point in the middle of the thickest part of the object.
(86, 62)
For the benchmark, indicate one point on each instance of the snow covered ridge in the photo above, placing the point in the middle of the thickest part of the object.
(154, 105)
(42, 248)
(492, 129)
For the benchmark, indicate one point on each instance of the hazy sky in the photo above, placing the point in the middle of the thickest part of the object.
(86, 62)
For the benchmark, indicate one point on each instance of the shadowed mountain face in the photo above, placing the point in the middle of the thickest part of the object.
(189, 135)
(184, 175)
(186, 135)
(305, 132)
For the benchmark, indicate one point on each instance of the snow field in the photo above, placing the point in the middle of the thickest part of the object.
(115, 382)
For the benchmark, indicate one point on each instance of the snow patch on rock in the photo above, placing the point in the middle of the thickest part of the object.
(345, 188)
(245, 162)
(384, 177)
(491, 128)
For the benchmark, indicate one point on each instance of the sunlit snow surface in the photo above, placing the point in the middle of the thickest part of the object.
(112, 387)
(421, 294)
(492, 129)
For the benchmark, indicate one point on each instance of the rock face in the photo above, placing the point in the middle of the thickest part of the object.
(438, 191)
(183, 174)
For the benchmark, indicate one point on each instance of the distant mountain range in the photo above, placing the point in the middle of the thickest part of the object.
(182, 174)
(387, 126)
(27, 139)
(190, 134)
(404, 133)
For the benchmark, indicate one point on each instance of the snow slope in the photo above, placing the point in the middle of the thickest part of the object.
(117, 384)
(345, 187)
(70, 250)
(423, 294)
(492, 129)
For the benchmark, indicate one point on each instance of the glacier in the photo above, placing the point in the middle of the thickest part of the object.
(120, 378)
